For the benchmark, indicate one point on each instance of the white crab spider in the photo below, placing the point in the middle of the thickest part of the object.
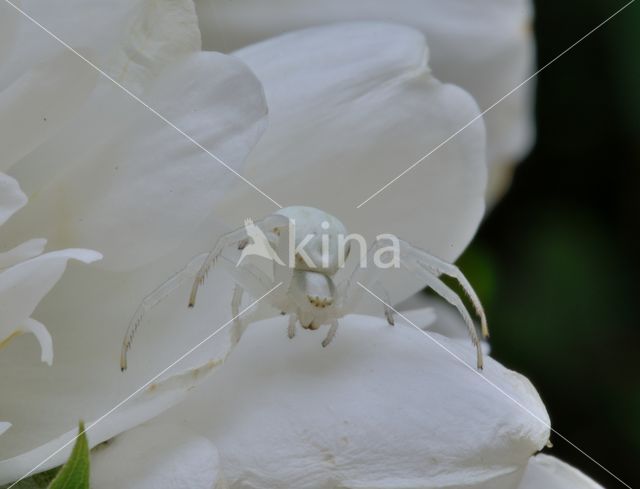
(307, 293)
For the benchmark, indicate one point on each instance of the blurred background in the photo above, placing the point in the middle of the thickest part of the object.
(556, 262)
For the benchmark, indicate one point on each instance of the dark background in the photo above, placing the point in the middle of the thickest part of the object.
(556, 262)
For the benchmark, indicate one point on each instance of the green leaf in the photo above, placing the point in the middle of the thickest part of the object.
(43, 479)
(75, 473)
(37, 481)
(29, 483)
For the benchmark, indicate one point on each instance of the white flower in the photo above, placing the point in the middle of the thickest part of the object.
(551, 473)
(27, 275)
(487, 48)
(384, 408)
(125, 194)
(102, 172)
(156, 456)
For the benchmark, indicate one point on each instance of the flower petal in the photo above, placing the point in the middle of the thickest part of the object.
(23, 286)
(22, 252)
(131, 41)
(159, 33)
(485, 47)
(41, 101)
(289, 413)
(551, 473)
(156, 456)
(11, 197)
(150, 182)
(87, 314)
(39, 330)
(358, 99)
(56, 451)
(8, 28)
(435, 314)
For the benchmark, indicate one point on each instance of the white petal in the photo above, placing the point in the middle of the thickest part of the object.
(24, 285)
(22, 252)
(149, 182)
(485, 47)
(44, 338)
(11, 197)
(87, 314)
(41, 101)
(159, 33)
(350, 107)
(548, 472)
(13, 468)
(8, 28)
(132, 41)
(380, 407)
(434, 314)
(156, 456)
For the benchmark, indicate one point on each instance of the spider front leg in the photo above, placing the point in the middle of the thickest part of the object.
(440, 288)
(163, 291)
(436, 267)
(238, 238)
(428, 267)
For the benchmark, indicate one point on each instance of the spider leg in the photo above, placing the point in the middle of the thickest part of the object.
(439, 287)
(212, 257)
(291, 330)
(282, 272)
(252, 280)
(248, 276)
(332, 332)
(428, 268)
(353, 293)
(437, 266)
(153, 299)
(388, 312)
(238, 237)
(238, 326)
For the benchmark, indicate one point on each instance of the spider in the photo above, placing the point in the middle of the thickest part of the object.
(306, 288)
